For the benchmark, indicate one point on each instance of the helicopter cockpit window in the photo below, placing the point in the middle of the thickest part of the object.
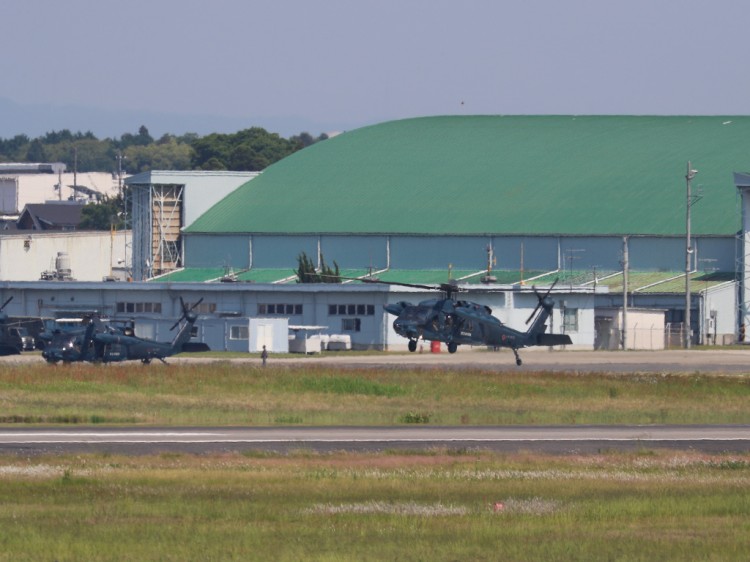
(416, 313)
(62, 340)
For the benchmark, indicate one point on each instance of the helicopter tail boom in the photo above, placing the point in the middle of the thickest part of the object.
(553, 339)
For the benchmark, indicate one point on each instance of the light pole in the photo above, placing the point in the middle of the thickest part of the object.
(688, 250)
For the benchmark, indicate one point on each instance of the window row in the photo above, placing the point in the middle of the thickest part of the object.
(155, 307)
(243, 332)
(279, 309)
(133, 307)
(351, 309)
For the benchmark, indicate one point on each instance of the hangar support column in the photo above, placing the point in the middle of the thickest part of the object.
(742, 181)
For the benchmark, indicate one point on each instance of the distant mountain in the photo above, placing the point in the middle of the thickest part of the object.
(36, 120)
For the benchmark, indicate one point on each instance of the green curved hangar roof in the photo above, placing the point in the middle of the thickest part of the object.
(462, 175)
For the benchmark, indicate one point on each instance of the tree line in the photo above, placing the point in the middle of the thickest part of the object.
(250, 150)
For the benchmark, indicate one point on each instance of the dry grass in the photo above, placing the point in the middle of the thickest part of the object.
(440, 506)
(224, 394)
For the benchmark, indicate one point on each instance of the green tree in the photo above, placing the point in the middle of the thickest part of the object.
(14, 150)
(305, 139)
(104, 215)
(143, 138)
(36, 152)
(307, 273)
(248, 150)
(84, 154)
(167, 154)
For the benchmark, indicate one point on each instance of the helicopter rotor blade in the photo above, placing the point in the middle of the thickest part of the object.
(449, 288)
(185, 311)
(533, 312)
(540, 300)
(200, 300)
(10, 298)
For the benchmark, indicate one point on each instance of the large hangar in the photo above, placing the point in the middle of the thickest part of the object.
(578, 198)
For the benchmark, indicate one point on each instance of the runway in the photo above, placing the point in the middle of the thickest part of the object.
(549, 439)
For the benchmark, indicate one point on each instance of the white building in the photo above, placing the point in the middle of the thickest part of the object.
(21, 184)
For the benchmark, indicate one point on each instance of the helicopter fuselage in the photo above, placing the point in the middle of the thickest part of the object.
(452, 322)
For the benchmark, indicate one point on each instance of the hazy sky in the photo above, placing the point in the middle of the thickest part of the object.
(347, 63)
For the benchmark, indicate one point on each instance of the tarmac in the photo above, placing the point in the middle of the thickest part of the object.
(713, 360)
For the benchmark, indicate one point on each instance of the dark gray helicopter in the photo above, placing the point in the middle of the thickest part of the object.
(10, 343)
(458, 322)
(97, 342)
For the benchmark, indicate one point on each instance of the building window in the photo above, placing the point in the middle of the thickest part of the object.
(202, 308)
(279, 309)
(138, 307)
(351, 324)
(351, 309)
(238, 333)
(570, 320)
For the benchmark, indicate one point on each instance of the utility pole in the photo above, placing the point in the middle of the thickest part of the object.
(119, 172)
(688, 250)
(625, 268)
(75, 171)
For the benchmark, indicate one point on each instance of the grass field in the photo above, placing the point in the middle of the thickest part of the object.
(222, 393)
(436, 505)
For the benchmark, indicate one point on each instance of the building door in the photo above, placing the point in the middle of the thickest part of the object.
(604, 332)
(264, 337)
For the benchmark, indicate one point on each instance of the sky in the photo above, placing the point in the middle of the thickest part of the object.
(328, 65)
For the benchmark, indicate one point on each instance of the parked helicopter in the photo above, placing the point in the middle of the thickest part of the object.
(97, 342)
(459, 322)
(9, 343)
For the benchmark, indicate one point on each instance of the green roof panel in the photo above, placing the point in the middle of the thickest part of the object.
(578, 175)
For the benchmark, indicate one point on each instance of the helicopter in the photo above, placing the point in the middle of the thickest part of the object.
(96, 342)
(458, 322)
(10, 344)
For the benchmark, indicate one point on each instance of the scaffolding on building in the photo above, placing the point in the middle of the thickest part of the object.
(156, 216)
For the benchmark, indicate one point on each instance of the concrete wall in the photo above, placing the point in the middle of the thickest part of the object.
(719, 314)
(23, 257)
(645, 329)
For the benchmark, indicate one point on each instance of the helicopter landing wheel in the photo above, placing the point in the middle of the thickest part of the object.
(412, 345)
(518, 359)
(146, 360)
(452, 347)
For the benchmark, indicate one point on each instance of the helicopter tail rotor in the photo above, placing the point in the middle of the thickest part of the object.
(541, 299)
(186, 312)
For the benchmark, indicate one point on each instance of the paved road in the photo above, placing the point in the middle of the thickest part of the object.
(551, 439)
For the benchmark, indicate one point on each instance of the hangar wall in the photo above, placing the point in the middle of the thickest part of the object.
(545, 253)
